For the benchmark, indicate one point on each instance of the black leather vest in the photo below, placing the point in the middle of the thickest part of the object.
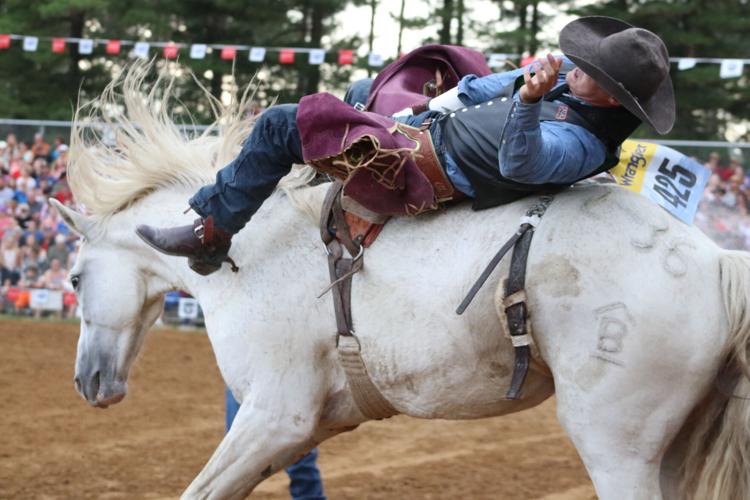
(473, 136)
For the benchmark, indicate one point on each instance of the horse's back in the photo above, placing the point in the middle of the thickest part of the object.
(610, 276)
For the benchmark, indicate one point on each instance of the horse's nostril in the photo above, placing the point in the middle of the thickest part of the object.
(77, 381)
(95, 382)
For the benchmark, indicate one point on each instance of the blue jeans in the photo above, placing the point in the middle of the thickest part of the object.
(244, 184)
(304, 476)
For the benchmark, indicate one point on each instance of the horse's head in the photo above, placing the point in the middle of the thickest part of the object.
(120, 299)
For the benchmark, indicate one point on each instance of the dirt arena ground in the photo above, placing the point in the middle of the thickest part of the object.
(53, 445)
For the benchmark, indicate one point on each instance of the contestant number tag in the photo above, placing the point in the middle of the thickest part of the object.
(663, 175)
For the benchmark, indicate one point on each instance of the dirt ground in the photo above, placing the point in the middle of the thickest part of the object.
(53, 445)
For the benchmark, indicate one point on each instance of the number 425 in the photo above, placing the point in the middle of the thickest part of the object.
(667, 183)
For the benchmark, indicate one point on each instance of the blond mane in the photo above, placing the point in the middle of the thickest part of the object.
(125, 143)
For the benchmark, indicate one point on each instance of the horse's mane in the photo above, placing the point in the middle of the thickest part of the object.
(137, 147)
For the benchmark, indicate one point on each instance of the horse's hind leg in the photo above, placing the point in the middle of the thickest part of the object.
(622, 422)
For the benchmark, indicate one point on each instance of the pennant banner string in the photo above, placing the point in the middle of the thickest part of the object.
(257, 54)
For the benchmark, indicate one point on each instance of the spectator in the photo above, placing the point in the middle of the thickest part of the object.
(4, 155)
(32, 253)
(39, 149)
(713, 163)
(54, 277)
(35, 201)
(30, 278)
(43, 173)
(60, 165)
(58, 251)
(61, 190)
(6, 192)
(23, 214)
(10, 257)
(58, 148)
(735, 166)
(24, 153)
(12, 146)
(25, 180)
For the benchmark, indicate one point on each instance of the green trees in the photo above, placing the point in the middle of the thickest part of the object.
(44, 84)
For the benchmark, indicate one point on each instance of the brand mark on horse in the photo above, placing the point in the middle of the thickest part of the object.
(613, 327)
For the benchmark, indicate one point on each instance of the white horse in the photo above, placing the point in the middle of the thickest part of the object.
(637, 316)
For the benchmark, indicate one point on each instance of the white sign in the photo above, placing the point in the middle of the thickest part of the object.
(374, 59)
(731, 68)
(187, 308)
(686, 63)
(141, 49)
(198, 51)
(46, 300)
(30, 43)
(85, 46)
(316, 56)
(663, 175)
(257, 54)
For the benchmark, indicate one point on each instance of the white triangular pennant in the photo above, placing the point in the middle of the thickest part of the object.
(374, 59)
(140, 49)
(731, 68)
(257, 54)
(198, 51)
(30, 43)
(686, 63)
(85, 46)
(316, 56)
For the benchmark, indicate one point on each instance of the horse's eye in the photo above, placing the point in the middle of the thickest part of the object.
(74, 280)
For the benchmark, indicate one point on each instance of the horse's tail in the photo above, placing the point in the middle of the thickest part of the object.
(717, 462)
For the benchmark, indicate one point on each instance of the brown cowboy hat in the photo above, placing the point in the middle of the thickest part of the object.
(631, 64)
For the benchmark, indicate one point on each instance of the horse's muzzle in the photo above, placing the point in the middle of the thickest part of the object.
(99, 389)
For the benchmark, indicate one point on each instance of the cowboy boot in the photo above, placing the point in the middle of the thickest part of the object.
(205, 246)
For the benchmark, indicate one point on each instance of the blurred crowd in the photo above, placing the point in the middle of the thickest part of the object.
(723, 213)
(36, 247)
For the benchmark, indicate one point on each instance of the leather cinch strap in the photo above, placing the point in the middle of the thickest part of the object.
(514, 300)
(334, 231)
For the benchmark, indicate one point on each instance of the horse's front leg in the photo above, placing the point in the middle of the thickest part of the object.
(269, 432)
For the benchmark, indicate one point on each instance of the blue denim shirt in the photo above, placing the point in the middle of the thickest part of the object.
(534, 152)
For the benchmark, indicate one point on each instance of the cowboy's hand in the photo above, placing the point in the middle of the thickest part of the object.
(542, 82)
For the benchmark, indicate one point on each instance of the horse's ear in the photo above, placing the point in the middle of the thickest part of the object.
(75, 220)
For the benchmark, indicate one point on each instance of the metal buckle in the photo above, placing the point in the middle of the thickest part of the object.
(359, 106)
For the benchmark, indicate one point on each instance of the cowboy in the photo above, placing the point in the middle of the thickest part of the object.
(500, 137)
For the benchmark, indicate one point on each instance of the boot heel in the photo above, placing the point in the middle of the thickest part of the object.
(204, 267)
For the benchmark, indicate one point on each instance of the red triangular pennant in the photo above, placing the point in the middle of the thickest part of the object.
(286, 56)
(228, 53)
(58, 45)
(171, 51)
(113, 47)
(4, 41)
(346, 56)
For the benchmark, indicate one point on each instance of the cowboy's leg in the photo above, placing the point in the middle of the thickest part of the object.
(358, 92)
(304, 478)
(232, 407)
(240, 189)
(242, 186)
